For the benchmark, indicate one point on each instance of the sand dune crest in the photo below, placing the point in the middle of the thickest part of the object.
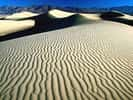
(60, 14)
(8, 26)
(21, 15)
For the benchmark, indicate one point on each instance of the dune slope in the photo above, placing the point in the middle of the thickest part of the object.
(9, 26)
(52, 20)
(118, 17)
(60, 14)
(86, 62)
(21, 15)
(44, 23)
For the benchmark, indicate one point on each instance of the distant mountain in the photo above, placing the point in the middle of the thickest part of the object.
(124, 9)
(11, 10)
(43, 9)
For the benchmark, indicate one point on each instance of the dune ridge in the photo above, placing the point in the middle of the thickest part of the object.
(53, 20)
(60, 14)
(9, 26)
(21, 15)
(86, 62)
(47, 22)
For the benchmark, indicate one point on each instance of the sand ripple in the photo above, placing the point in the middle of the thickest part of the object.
(87, 62)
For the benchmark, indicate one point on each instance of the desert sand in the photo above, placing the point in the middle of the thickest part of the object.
(11, 23)
(21, 15)
(91, 61)
(2, 16)
(60, 14)
(92, 16)
(26, 20)
(10, 26)
(129, 17)
(84, 62)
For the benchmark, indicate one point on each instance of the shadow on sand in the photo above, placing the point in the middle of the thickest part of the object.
(46, 22)
(114, 16)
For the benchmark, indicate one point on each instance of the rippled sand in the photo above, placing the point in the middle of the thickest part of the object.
(86, 62)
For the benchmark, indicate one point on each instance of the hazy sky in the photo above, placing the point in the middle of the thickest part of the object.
(75, 3)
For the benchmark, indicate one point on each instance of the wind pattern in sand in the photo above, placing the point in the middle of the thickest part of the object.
(86, 62)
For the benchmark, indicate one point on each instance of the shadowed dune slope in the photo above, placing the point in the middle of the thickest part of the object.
(47, 22)
(121, 20)
(113, 14)
(85, 62)
(2, 17)
(117, 17)
(57, 19)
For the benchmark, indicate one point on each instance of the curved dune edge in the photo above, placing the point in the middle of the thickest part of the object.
(17, 26)
(21, 15)
(116, 14)
(8, 26)
(2, 16)
(92, 16)
(60, 14)
(64, 14)
(86, 62)
(127, 17)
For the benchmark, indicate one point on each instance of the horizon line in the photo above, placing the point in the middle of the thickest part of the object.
(63, 6)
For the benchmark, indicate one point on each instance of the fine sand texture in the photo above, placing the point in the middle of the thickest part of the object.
(85, 62)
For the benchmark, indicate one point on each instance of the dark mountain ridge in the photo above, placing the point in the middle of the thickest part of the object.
(43, 9)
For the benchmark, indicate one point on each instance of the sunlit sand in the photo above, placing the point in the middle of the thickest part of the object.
(8, 26)
(92, 16)
(60, 14)
(129, 17)
(92, 61)
(21, 15)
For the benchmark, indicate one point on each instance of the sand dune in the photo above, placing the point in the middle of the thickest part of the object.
(65, 14)
(21, 15)
(85, 62)
(60, 14)
(118, 17)
(47, 22)
(95, 16)
(112, 14)
(129, 17)
(2, 16)
(8, 26)
(55, 19)
(92, 16)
